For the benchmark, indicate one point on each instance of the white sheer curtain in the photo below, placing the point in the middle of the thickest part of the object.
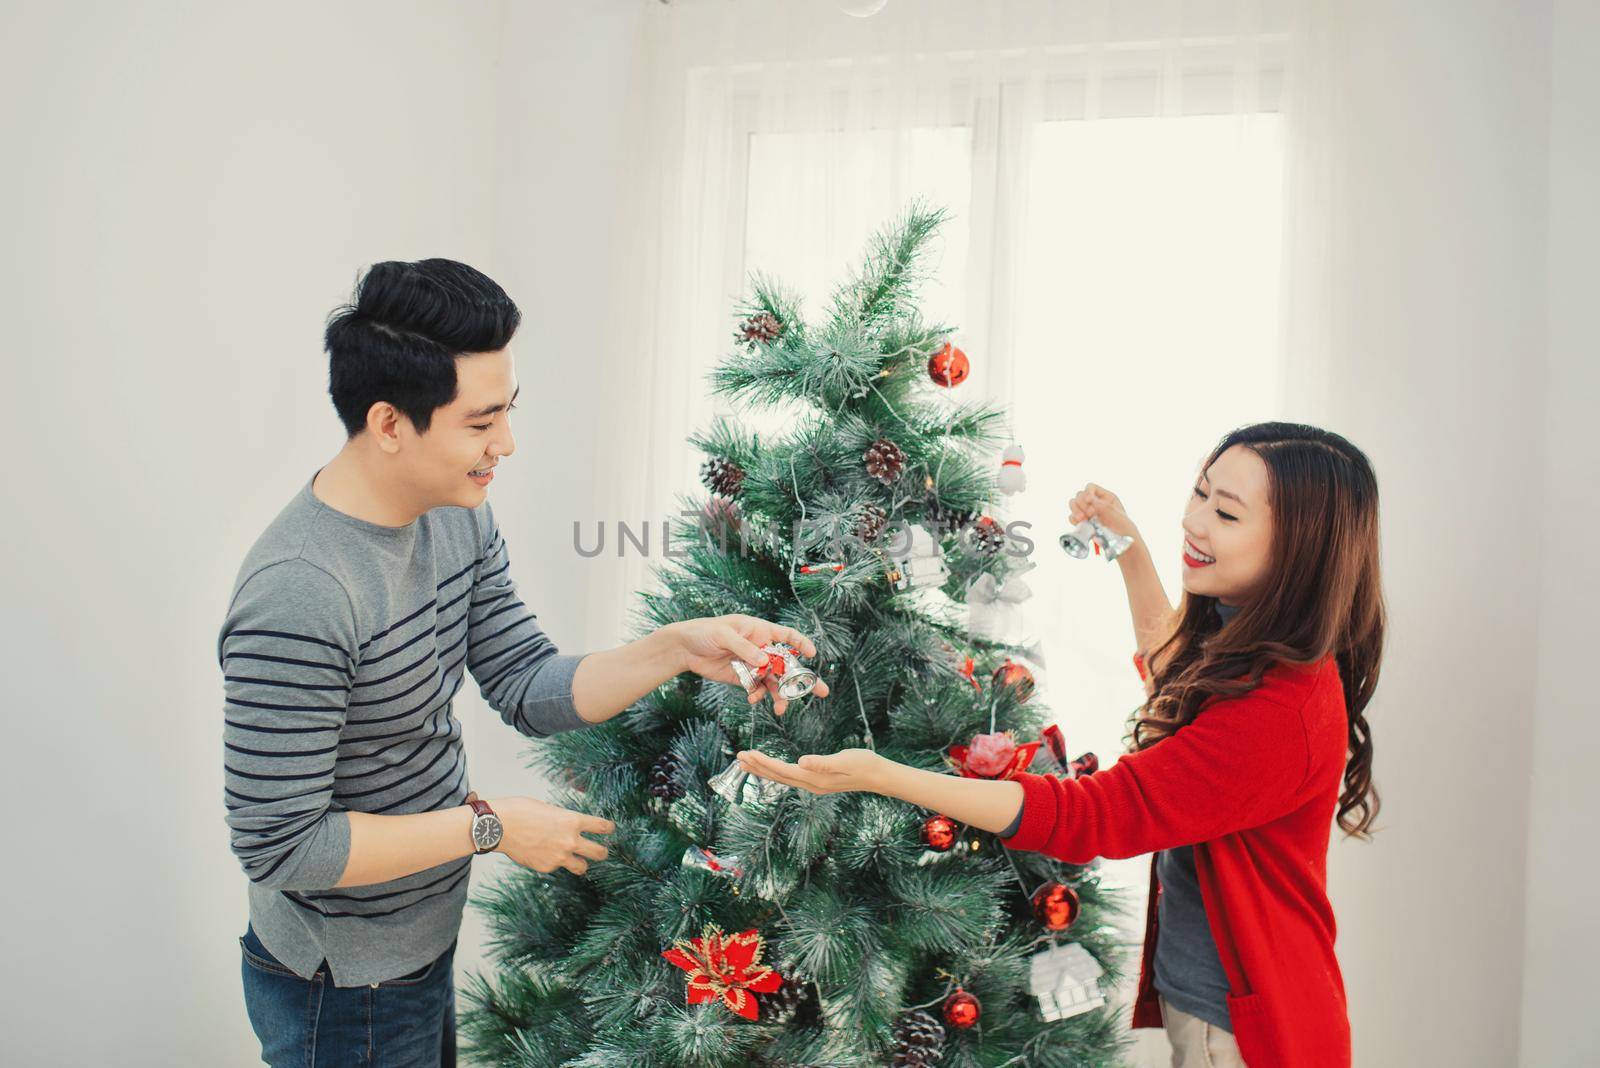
(775, 136)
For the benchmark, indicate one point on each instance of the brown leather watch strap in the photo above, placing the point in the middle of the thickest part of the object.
(480, 807)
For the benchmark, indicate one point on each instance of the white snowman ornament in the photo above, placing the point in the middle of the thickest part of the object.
(1012, 478)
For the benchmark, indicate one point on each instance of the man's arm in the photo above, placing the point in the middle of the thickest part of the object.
(538, 835)
(606, 683)
(519, 670)
(288, 655)
(539, 691)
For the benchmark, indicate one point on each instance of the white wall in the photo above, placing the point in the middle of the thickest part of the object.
(1438, 325)
(188, 189)
(562, 79)
(1560, 989)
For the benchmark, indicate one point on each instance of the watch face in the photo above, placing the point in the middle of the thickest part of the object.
(486, 831)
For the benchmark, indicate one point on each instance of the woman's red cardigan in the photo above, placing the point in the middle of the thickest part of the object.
(1252, 783)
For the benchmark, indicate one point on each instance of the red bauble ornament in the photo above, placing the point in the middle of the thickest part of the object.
(940, 833)
(962, 1010)
(1055, 906)
(949, 366)
(1016, 677)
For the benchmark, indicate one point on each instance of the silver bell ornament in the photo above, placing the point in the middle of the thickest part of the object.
(795, 680)
(1092, 536)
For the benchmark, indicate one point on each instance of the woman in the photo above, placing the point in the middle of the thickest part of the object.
(1252, 740)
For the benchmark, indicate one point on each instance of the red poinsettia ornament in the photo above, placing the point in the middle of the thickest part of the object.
(992, 756)
(726, 967)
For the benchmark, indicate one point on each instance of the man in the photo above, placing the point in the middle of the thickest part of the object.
(353, 622)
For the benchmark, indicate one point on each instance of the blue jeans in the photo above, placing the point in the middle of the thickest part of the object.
(407, 1022)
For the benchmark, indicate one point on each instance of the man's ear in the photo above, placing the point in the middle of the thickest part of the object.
(383, 422)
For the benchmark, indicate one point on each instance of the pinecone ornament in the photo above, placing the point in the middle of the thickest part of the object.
(719, 519)
(869, 527)
(794, 1004)
(664, 785)
(948, 519)
(722, 476)
(987, 536)
(884, 461)
(918, 1040)
(762, 328)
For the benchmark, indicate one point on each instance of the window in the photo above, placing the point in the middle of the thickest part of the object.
(1115, 281)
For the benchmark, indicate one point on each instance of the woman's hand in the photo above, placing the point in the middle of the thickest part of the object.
(1151, 612)
(988, 804)
(1097, 502)
(709, 646)
(848, 769)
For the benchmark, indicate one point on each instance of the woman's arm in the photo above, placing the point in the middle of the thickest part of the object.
(988, 804)
(1147, 599)
(1243, 762)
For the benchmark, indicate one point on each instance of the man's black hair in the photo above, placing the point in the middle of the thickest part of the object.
(399, 337)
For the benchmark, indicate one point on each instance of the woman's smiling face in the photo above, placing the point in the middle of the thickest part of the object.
(1228, 528)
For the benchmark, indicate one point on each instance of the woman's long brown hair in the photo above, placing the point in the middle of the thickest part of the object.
(1322, 595)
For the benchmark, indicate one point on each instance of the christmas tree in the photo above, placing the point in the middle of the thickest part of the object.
(738, 922)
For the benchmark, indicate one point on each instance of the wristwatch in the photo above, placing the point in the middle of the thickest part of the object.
(487, 830)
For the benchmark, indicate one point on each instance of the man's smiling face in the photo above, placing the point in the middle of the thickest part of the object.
(454, 461)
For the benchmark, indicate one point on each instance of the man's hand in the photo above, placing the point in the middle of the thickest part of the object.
(543, 837)
(708, 646)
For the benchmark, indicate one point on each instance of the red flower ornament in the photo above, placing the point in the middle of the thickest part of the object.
(992, 756)
(726, 968)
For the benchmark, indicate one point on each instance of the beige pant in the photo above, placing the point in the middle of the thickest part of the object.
(1197, 1044)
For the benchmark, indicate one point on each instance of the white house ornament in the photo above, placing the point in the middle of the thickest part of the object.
(917, 561)
(1066, 980)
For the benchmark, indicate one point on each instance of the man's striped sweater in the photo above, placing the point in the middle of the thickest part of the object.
(344, 643)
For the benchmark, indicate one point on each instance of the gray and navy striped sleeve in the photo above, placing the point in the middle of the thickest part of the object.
(287, 651)
(519, 670)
